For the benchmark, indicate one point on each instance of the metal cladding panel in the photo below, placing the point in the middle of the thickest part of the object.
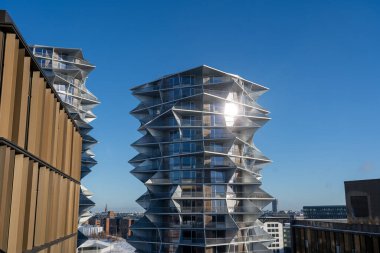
(28, 170)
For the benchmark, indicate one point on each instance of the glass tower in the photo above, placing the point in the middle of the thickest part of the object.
(199, 164)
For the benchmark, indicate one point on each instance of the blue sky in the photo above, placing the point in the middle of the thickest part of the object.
(320, 60)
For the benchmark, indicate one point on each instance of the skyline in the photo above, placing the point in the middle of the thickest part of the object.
(323, 82)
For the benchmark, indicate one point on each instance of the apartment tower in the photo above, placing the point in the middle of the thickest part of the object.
(67, 70)
(40, 154)
(199, 164)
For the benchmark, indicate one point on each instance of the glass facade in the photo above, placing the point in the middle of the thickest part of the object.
(325, 212)
(199, 164)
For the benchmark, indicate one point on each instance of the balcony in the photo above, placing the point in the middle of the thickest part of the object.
(146, 89)
(71, 59)
(217, 79)
(187, 122)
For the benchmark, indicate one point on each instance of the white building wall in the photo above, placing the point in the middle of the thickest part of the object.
(276, 230)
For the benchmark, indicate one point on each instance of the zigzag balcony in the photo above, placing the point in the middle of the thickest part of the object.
(197, 161)
(243, 239)
(204, 180)
(201, 210)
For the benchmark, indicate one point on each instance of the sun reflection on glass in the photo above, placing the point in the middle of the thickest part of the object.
(230, 112)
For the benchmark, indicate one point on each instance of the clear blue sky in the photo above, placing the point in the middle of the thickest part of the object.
(321, 60)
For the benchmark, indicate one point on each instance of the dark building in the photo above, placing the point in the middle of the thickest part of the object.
(335, 237)
(274, 205)
(287, 233)
(325, 212)
(363, 201)
(360, 233)
(124, 227)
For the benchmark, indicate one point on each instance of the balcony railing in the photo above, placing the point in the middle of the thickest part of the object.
(147, 89)
(71, 59)
(216, 79)
(186, 122)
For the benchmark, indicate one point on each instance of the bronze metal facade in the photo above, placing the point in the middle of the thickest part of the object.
(334, 237)
(40, 155)
(361, 234)
(363, 201)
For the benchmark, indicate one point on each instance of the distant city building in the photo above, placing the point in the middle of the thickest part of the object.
(363, 201)
(114, 224)
(284, 219)
(275, 205)
(199, 164)
(361, 233)
(325, 212)
(287, 238)
(275, 229)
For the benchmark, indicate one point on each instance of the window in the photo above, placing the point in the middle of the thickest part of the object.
(218, 191)
(186, 92)
(360, 206)
(187, 79)
(173, 134)
(191, 133)
(188, 147)
(43, 51)
(190, 105)
(217, 177)
(216, 120)
(216, 79)
(188, 175)
(155, 111)
(171, 121)
(69, 100)
(44, 63)
(173, 81)
(216, 205)
(174, 148)
(71, 90)
(216, 147)
(175, 176)
(217, 161)
(60, 87)
(174, 162)
(218, 218)
(217, 133)
(216, 107)
(62, 65)
(189, 120)
(188, 161)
